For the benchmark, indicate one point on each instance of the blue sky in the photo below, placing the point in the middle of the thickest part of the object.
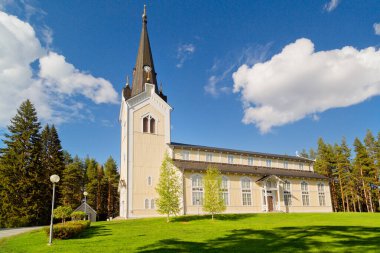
(267, 76)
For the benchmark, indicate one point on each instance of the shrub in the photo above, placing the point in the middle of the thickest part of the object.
(62, 212)
(69, 229)
(78, 215)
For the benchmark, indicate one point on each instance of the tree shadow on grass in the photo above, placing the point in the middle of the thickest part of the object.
(284, 239)
(94, 231)
(231, 217)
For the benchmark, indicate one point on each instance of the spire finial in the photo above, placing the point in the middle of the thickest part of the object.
(127, 83)
(144, 17)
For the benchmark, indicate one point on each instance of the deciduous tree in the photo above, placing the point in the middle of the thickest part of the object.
(168, 189)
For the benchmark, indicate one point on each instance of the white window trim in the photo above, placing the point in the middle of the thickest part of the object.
(228, 189)
(241, 190)
(228, 159)
(150, 116)
(192, 196)
(145, 206)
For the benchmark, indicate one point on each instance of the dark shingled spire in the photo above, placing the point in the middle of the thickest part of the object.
(143, 71)
(144, 58)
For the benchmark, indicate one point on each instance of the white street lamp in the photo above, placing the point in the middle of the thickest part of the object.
(54, 179)
(85, 204)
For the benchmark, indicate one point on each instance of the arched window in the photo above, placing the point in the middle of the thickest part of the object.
(146, 203)
(152, 126)
(224, 190)
(149, 180)
(145, 124)
(246, 191)
(321, 194)
(149, 124)
(197, 189)
(305, 193)
(287, 194)
(152, 204)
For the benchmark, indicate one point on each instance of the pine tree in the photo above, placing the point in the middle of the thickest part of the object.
(52, 160)
(112, 178)
(22, 178)
(72, 184)
(91, 181)
(343, 154)
(168, 189)
(213, 200)
(325, 164)
(362, 165)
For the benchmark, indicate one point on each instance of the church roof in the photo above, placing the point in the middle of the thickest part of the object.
(242, 152)
(245, 169)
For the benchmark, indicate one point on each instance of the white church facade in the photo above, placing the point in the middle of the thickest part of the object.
(252, 182)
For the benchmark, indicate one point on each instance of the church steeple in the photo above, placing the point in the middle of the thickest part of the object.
(144, 71)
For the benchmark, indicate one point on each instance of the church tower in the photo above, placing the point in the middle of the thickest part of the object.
(145, 134)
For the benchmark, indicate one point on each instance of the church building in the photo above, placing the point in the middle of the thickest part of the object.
(252, 182)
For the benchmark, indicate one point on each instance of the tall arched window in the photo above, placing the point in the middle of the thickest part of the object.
(152, 126)
(321, 194)
(152, 204)
(305, 193)
(149, 124)
(246, 191)
(287, 194)
(145, 124)
(146, 203)
(224, 190)
(197, 189)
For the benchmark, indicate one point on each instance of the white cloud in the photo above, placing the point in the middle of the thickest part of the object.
(330, 6)
(300, 82)
(52, 87)
(376, 27)
(184, 52)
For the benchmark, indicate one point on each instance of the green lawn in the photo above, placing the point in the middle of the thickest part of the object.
(281, 232)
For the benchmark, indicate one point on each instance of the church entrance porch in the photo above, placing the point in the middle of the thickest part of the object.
(271, 194)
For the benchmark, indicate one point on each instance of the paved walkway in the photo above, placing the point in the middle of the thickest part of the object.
(15, 231)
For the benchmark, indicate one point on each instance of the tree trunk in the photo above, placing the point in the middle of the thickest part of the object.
(109, 199)
(167, 218)
(364, 189)
(370, 200)
(359, 205)
(341, 192)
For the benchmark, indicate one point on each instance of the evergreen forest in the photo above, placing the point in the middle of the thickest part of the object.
(31, 154)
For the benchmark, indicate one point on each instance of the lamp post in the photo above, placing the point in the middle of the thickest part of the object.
(54, 179)
(85, 204)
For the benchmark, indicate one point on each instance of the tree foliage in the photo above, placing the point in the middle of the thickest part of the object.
(22, 176)
(354, 180)
(213, 200)
(168, 189)
(63, 213)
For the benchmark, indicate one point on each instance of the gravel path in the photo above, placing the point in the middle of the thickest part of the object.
(15, 231)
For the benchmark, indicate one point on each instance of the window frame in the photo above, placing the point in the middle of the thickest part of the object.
(197, 190)
(246, 192)
(305, 193)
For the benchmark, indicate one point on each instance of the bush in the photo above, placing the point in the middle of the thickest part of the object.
(78, 215)
(62, 212)
(69, 229)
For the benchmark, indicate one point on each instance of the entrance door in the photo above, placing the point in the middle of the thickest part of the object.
(270, 203)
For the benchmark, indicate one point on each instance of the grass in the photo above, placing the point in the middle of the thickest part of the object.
(275, 232)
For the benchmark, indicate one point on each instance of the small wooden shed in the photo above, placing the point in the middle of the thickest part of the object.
(91, 213)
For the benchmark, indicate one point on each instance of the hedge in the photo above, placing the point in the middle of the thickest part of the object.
(69, 229)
